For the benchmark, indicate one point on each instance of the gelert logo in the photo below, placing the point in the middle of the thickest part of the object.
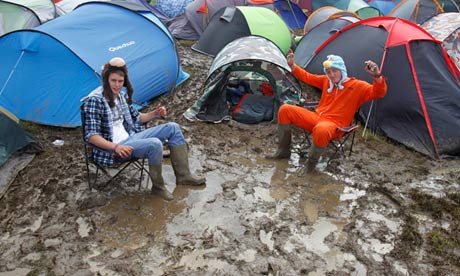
(124, 45)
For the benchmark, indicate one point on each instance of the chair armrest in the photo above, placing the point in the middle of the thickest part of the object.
(348, 128)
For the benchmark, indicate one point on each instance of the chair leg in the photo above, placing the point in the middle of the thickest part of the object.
(138, 164)
(339, 146)
(142, 174)
(118, 172)
(88, 177)
(141, 166)
(352, 143)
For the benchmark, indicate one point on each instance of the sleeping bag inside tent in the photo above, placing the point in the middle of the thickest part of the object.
(248, 80)
(47, 70)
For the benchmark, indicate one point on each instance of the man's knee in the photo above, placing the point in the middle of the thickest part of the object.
(283, 114)
(322, 136)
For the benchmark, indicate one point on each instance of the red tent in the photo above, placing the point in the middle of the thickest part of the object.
(422, 107)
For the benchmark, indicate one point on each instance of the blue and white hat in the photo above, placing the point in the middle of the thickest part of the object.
(336, 62)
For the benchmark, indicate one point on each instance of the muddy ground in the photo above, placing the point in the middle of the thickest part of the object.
(386, 210)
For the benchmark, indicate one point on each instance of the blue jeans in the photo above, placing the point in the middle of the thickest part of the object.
(149, 143)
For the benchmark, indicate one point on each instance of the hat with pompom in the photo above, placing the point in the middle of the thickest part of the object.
(336, 62)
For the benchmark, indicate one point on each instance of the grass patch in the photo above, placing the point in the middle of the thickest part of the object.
(447, 207)
(410, 239)
(444, 246)
(185, 42)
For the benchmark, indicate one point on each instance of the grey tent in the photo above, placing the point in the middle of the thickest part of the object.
(25, 14)
(14, 138)
(191, 24)
(259, 63)
(317, 35)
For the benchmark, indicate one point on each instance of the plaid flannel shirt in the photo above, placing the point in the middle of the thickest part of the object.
(98, 121)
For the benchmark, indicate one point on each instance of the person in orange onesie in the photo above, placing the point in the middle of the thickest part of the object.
(341, 98)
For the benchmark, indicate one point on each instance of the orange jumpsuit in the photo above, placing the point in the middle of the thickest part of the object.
(335, 109)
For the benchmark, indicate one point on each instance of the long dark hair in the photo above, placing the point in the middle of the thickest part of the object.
(122, 71)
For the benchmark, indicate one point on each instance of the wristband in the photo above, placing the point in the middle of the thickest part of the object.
(115, 148)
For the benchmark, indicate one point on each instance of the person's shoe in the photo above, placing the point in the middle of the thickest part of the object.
(284, 144)
(158, 184)
(179, 161)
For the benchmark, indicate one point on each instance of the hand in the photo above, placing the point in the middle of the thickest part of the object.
(290, 58)
(123, 151)
(160, 111)
(372, 68)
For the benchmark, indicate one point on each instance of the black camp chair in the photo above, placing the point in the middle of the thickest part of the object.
(339, 145)
(119, 166)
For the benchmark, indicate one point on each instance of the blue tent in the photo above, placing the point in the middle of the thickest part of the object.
(47, 70)
(291, 14)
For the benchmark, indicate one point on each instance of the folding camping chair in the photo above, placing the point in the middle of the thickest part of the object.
(119, 166)
(339, 145)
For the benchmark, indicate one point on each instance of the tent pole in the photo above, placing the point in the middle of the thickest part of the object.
(367, 119)
(12, 72)
(292, 10)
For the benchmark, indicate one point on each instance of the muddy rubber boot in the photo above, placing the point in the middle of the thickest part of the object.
(179, 161)
(284, 140)
(312, 160)
(158, 183)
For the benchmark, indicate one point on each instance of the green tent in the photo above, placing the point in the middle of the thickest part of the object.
(230, 23)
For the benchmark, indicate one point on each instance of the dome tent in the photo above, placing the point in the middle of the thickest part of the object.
(320, 33)
(14, 138)
(256, 60)
(47, 70)
(445, 27)
(418, 11)
(421, 109)
(324, 13)
(230, 23)
(25, 14)
(360, 7)
(292, 14)
(191, 24)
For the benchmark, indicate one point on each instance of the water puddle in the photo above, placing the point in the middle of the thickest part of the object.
(232, 203)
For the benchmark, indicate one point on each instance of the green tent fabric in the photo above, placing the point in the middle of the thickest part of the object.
(14, 138)
(230, 23)
(266, 23)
